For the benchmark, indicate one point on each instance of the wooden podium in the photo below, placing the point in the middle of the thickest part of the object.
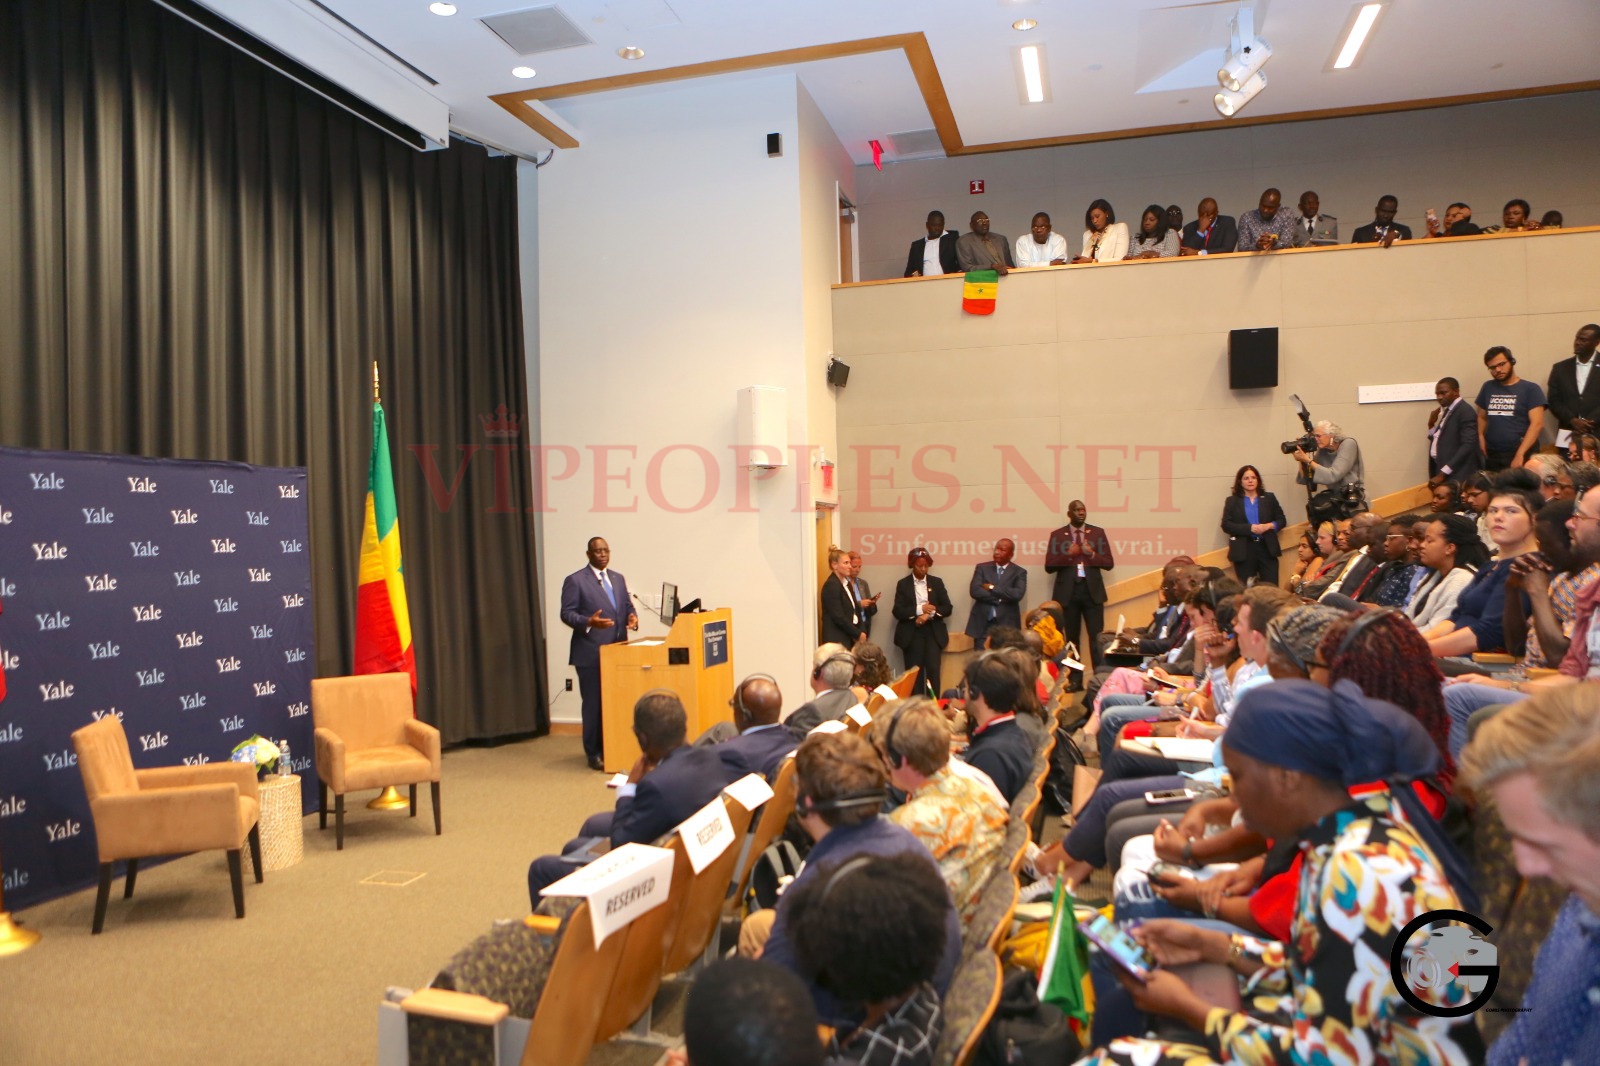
(694, 659)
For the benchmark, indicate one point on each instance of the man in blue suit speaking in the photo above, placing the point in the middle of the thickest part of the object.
(594, 602)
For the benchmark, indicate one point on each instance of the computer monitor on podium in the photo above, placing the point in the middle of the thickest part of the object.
(669, 602)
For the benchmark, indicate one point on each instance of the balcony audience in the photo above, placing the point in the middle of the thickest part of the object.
(1268, 226)
(1105, 240)
(1321, 230)
(1155, 239)
(1041, 247)
(1514, 217)
(983, 250)
(1383, 229)
(1210, 232)
(934, 254)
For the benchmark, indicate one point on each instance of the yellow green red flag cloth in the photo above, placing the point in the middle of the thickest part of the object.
(383, 624)
(978, 294)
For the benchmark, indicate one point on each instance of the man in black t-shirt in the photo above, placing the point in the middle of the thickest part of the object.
(1510, 412)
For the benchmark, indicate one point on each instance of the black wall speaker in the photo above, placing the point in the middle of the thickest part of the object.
(774, 144)
(1253, 358)
(838, 373)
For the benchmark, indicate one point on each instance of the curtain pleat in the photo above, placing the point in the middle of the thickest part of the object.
(200, 259)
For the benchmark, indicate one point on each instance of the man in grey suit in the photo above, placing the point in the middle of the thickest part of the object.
(997, 591)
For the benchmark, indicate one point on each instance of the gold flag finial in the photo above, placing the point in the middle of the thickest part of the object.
(374, 381)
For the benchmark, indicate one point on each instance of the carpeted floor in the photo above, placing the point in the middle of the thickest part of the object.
(175, 978)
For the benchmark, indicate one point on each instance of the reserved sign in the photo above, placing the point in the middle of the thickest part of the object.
(749, 792)
(620, 885)
(706, 834)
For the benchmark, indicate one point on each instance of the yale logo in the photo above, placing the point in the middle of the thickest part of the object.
(144, 549)
(298, 710)
(231, 724)
(260, 632)
(11, 732)
(294, 655)
(7, 588)
(299, 765)
(288, 492)
(59, 760)
(259, 574)
(107, 712)
(265, 688)
(257, 518)
(105, 650)
(291, 546)
(223, 487)
(149, 677)
(8, 661)
(63, 830)
(53, 620)
(294, 600)
(184, 517)
(149, 613)
(6, 516)
(97, 516)
(191, 639)
(186, 577)
(152, 741)
(52, 552)
(192, 702)
(141, 484)
(56, 690)
(12, 806)
(228, 665)
(102, 583)
(196, 760)
(226, 605)
(50, 482)
(14, 880)
(225, 546)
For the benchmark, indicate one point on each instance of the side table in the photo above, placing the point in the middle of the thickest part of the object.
(282, 839)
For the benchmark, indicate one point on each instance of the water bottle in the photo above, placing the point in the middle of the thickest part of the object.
(285, 768)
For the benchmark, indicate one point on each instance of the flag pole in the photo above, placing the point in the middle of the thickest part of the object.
(389, 799)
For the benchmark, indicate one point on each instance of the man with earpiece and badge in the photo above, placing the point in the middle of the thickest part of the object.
(841, 785)
(833, 669)
(762, 742)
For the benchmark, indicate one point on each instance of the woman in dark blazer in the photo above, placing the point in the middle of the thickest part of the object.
(919, 630)
(1252, 518)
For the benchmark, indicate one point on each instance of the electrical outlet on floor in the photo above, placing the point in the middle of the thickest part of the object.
(569, 684)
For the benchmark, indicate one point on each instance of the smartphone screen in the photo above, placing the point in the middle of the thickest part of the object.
(1119, 946)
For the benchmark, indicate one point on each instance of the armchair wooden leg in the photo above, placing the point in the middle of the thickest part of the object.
(102, 898)
(127, 882)
(413, 801)
(438, 827)
(255, 851)
(338, 821)
(236, 872)
(322, 805)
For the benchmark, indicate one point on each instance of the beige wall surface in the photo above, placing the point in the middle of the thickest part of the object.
(1541, 149)
(1119, 374)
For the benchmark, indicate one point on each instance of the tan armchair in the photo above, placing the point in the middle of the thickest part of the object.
(170, 810)
(366, 738)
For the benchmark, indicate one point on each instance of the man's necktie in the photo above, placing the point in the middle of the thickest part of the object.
(611, 594)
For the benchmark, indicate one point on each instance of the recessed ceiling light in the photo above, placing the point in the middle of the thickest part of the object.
(1032, 75)
(1024, 24)
(1358, 35)
(523, 72)
(442, 9)
(631, 52)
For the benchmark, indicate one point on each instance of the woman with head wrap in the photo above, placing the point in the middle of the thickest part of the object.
(1371, 864)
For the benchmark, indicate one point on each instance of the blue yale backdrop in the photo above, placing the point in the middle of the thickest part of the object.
(175, 595)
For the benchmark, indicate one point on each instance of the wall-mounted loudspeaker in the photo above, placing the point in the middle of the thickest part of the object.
(1253, 358)
(774, 145)
(838, 373)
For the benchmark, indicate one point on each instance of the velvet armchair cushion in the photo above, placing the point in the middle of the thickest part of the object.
(366, 736)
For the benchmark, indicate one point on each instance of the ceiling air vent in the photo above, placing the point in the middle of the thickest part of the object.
(535, 30)
(913, 143)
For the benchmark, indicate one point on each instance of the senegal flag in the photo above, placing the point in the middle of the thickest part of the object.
(383, 625)
(977, 295)
(1064, 978)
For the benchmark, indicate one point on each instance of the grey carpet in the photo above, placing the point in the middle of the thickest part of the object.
(175, 978)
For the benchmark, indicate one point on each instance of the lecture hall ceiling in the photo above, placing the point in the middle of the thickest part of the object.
(952, 66)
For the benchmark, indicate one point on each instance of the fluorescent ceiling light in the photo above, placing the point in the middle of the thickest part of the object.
(442, 9)
(1358, 36)
(1230, 103)
(523, 72)
(1032, 75)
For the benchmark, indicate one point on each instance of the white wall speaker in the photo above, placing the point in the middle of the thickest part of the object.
(763, 428)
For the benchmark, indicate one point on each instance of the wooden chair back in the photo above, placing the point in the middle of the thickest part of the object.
(638, 976)
(700, 913)
(874, 702)
(774, 816)
(906, 683)
(969, 1007)
(563, 1032)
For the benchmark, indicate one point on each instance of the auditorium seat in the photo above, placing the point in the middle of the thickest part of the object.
(368, 738)
(774, 815)
(969, 1006)
(906, 683)
(695, 934)
(169, 810)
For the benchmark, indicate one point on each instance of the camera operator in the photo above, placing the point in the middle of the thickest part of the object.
(1335, 468)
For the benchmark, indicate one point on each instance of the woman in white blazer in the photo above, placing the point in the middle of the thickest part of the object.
(1105, 240)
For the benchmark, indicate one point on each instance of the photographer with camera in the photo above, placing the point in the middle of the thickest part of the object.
(1331, 462)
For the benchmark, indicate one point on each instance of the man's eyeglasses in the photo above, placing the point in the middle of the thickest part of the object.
(1398, 536)
(1551, 479)
(1579, 515)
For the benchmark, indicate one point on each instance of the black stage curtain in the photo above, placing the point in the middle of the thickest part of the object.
(201, 259)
